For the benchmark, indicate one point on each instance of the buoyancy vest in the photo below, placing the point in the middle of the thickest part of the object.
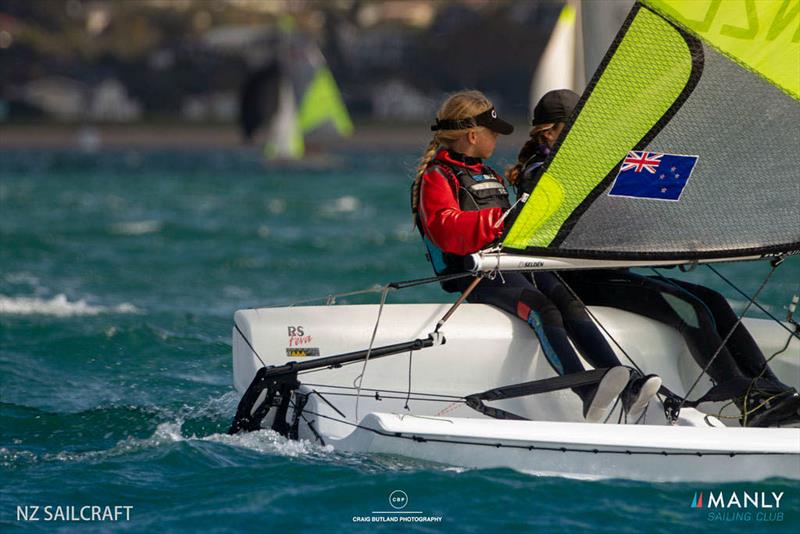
(530, 174)
(475, 191)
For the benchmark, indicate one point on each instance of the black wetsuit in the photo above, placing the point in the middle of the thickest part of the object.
(517, 295)
(704, 328)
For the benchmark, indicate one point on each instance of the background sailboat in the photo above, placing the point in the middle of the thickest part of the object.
(582, 34)
(294, 97)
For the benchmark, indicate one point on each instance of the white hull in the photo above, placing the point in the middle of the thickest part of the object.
(584, 450)
(487, 348)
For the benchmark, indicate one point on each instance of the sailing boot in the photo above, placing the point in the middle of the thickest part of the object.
(599, 398)
(781, 410)
(638, 393)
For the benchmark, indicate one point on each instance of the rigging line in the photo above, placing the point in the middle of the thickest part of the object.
(747, 412)
(441, 395)
(408, 396)
(691, 295)
(785, 346)
(729, 334)
(422, 281)
(782, 350)
(760, 307)
(360, 377)
(611, 411)
(314, 391)
(310, 425)
(236, 326)
(448, 409)
(331, 297)
(597, 321)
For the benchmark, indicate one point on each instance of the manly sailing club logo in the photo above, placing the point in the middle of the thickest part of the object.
(653, 175)
(734, 499)
(761, 506)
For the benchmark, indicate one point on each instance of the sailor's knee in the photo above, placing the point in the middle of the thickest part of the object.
(536, 302)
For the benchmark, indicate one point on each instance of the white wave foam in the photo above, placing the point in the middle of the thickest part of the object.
(262, 441)
(345, 204)
(270, 442)
(266, 442)
(58, 306)
(137, 227)
(13, 458)
(22, 278)
(165, 433)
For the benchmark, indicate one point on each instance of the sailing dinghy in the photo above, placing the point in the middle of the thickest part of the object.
(468, 385)
(294, 96)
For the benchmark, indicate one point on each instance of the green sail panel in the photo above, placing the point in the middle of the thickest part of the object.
(662, 88)
(762, 36)
(645, 76)
(744, 192)
(322, 102)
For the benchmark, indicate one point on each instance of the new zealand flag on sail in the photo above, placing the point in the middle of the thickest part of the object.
(653, 175)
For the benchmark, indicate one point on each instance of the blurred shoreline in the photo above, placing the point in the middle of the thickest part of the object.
(367, 136)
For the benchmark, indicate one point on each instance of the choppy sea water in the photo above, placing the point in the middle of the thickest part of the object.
(119, 276)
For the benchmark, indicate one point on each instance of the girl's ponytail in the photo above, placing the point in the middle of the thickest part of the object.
(426, 158)
(526, 152)
(458, 106)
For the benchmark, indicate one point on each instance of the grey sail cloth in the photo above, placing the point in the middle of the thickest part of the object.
(745, 189)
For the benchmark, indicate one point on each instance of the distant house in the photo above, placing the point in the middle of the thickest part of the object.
(63, 98)
(221, 106)
(110, 102)
(67, 99)
(396, 99)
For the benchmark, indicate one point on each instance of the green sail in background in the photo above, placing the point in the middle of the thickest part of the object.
(321, 107)
(322, 102)
(672, 85)
(309, 101)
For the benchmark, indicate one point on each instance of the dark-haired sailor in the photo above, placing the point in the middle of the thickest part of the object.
(739, 363)
(549, 118)
(458, 203)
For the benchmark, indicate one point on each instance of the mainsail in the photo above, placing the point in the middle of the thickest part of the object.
(683, 146)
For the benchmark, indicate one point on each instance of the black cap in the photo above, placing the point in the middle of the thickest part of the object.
(488, 118)
(555, 106)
